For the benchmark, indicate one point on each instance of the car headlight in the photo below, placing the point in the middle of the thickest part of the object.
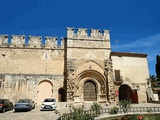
(53, 104)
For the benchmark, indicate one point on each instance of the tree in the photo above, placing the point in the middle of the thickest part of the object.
(154, 81)
(158, 67)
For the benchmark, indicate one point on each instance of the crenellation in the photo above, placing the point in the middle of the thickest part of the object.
(95, 33)
(17, 40)
(62, 41)
(20, 41)
(81, 33)
(3, 40)
(106, 34)
(51, 42)
(35, 41)
(70, 32)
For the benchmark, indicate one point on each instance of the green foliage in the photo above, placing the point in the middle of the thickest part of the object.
(157, 117)
(125, 105)
(114, 110)
(136, 117)
(96, 108)
(143, 117)
(78, 114)
(158, 66)
(154, 81)
(81, 114)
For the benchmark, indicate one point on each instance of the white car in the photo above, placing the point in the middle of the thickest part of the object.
(49, 104)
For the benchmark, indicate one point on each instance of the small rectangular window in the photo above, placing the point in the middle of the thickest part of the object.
(117, 75)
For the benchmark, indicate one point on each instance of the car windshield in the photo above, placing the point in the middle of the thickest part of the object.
(23, 101)
(49, 100)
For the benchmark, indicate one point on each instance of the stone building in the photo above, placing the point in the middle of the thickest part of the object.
(83, 68)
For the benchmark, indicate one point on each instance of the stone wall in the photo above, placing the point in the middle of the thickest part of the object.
(31, 61)
(32, 58)
(83, 56)
(133, 71)
(25, 62)
(21, 86)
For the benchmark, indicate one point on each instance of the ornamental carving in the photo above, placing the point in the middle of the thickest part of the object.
(109, 75)
(70, 80)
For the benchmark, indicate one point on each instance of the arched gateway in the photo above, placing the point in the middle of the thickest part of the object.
(45, 90)
(126, 93)
(61, 95)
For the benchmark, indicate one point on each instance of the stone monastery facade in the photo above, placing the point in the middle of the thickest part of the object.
(83, 68)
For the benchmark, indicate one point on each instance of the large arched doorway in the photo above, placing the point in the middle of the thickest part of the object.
(45, 90)
(90, 91)
(61, 95)
(126, 93)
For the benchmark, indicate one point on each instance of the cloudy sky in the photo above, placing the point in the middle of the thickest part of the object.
(134, 24)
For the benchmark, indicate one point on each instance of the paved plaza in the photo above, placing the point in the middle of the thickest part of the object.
(36, 114)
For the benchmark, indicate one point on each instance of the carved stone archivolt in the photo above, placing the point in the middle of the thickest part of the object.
(70, 80)
(109, 76)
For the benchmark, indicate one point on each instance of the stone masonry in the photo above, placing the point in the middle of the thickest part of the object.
(81, 69)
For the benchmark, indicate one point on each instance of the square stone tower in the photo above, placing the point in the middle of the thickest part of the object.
(86, 70)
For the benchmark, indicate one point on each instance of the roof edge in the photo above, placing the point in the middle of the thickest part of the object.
(128, 54)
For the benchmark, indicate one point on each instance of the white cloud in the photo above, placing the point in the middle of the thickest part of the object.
(145, 42)
(150, 46)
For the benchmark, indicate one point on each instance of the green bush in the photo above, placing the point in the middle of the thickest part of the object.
(96, 108)
(125, 105)
(78, 114)
(157, 117)
(132, 117)
(114, 110)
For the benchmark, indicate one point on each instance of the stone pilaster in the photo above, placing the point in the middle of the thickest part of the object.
(110, 78)
(70, 80)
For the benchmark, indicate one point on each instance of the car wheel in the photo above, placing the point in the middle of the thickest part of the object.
(4, 110)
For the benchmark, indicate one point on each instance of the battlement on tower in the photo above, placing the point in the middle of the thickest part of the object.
(20, 41)
(82, 33)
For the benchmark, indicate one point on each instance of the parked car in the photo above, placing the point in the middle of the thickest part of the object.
(24, 104)
(49, 104)
(5, 105)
